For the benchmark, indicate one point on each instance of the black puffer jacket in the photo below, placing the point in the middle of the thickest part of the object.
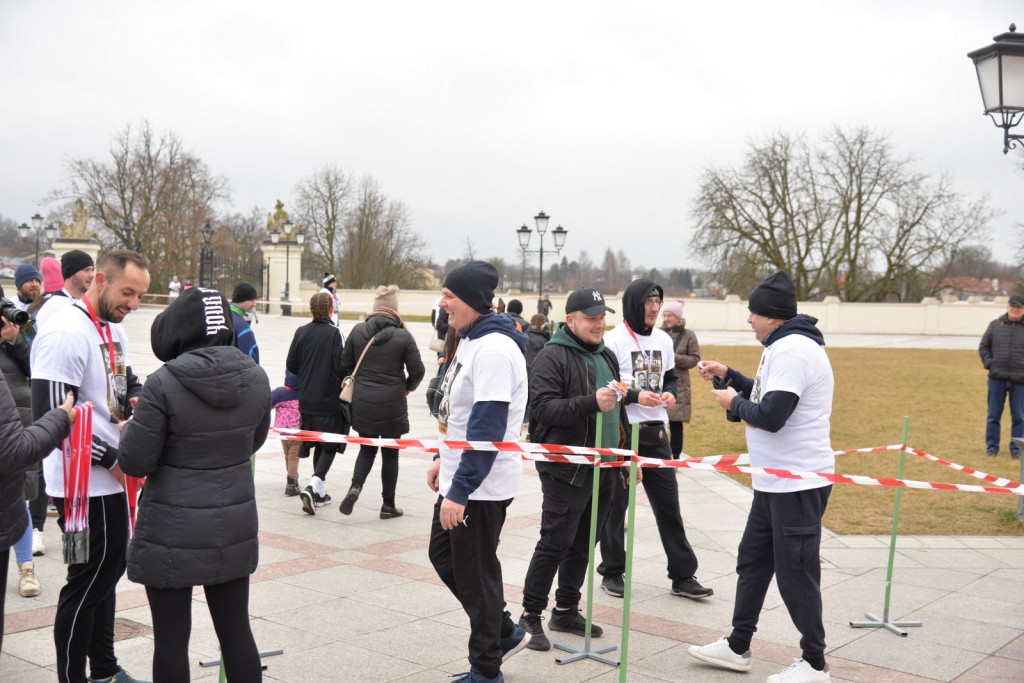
(391, 367)
(315, 358)
(1002, 349)
(22, 448)
(199, 419)
(535, 341)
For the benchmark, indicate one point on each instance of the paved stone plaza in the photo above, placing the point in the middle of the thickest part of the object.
(355, 599)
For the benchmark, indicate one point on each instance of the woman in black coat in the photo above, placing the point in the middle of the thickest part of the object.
(391, 368)
(199, 419)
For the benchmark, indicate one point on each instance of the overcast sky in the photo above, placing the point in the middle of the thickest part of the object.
(478, 115)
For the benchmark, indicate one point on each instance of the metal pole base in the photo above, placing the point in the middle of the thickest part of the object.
(586, 653)
(263, 653)
(879, 622)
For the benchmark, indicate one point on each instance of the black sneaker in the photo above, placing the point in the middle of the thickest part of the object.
(531, 624)
(390, 511)
(614, 585)
(691, 588)
(350, 500)
(292, 488)
(571, 621)
(308, 501)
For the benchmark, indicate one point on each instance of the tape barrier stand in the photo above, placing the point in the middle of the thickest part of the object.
(734, 463)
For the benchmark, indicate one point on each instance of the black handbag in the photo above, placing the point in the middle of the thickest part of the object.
(434, 392)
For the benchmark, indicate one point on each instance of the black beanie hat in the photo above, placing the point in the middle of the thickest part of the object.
(199, 318)
(515, 306)
(74, 261)
(244, 291)
(474, 283)
(774, 297)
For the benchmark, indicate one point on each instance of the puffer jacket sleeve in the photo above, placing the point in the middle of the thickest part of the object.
(413, 364)
(144, 436)
(985, 348)
(347, 357)
(259, 437)
(21, 447)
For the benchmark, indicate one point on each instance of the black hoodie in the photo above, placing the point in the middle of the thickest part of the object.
(634, 304)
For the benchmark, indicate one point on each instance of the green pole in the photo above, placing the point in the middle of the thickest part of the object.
(895, 522)
(593, 533)
(630, 518)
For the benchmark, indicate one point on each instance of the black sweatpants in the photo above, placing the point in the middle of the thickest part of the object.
(662, 490)
(84, 623)
(783, 537)
(466, 559)
(172, 625)
(564, 545)
(37, 506)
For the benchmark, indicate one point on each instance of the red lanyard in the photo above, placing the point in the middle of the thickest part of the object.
(99, 329)
(646, 355)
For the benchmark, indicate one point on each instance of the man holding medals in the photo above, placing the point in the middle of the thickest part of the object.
(84, 350)
(647, 366)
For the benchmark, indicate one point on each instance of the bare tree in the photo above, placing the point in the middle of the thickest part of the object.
(323, 204)
(153, 183)
(844, 217)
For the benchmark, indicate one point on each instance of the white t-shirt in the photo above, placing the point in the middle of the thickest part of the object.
(489, 368)
(69, 349)
(53, 306)
(642, 365)
(799, 365)
(173, 289)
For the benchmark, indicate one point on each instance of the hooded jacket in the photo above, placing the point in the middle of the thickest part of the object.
(199, 419)
(391, 367)
(1002, 349)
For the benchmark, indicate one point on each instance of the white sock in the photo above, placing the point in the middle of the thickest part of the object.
(318, 485)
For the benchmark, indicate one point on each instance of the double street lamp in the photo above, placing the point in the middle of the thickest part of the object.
(524, 233)
(275, 237)
(37, 223)
(206, 256)
(1000, 69)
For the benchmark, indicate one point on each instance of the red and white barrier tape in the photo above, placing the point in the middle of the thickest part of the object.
(720, 463)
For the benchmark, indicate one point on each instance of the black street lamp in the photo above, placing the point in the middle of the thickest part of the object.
(1000, 69)
(206, 256)
(275, 237)
(37, 223)
(524, 233)
(129, 237)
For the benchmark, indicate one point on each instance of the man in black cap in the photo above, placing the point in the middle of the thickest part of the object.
(569, 393)
(243, 301)
(787, 408)
(646, 356)
(1002, 354)
(484, 393)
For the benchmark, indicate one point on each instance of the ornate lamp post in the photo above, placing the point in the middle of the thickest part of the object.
(206, 256)
(275, 237)
(524, 233)
(1000, 69)
(37, 223)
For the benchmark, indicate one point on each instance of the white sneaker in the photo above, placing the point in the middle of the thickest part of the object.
(28, 585)
(801, 672)
(38, 547)
(719, 654)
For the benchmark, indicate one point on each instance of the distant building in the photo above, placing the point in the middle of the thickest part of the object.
(963, 288)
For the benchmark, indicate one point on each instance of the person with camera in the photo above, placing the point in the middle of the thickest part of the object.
(647, 366)
(787, 414)
(569, 393)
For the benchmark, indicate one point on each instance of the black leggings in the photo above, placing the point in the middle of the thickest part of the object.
(675, 437)
(388, 468)
(172, 625)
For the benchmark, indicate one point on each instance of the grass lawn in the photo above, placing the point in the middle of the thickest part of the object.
(944, 395)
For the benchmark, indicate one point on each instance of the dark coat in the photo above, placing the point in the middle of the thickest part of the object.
(315, 358)
(684, 341)
(392, 366)
(199, 419)
(536, 339)
(1002, 350)
(14, 365)
(22, 448)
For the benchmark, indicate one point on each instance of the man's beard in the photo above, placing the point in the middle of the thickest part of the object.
(28, 297)
(106, 312)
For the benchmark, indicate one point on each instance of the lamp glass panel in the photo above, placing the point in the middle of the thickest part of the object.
(542, 223)
(559, 234)
(988, 79)
(300, 237)
(1013, 82)
(275, 236)
(524, 236)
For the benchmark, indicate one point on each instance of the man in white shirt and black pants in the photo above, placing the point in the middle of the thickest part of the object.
(787, 408)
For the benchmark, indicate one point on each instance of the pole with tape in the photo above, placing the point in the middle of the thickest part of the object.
(873, 620)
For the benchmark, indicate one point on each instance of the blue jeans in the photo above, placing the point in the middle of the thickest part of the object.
(997, 391)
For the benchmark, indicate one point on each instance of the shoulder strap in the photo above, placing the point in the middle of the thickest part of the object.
(366, 348)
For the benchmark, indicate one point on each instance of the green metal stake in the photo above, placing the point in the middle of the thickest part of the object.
(630, 526)
(873, 620)
(586, 652)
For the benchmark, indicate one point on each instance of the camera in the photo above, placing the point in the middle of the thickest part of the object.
(11, 313)
(722, 383)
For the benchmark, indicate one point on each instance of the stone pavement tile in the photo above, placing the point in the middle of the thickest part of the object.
(1014, 649)
(417, 600)
(983, 542)
(1012, 541)
(866, 557)
(939, 542)
(713, 613)
(929, 577)
(849, 600)
(341, 661)
(960, 632)
(910, 655)
(996, 588)
(269, 554)
(423, 641)
(959, 558)
(35, 646)
(270, 597)
(338, 581)
(994, 670)
(676, 664)
(776, 626)
(858, 542)
(959, 605)
(342, 616)
(457, 617)
(1008, 557)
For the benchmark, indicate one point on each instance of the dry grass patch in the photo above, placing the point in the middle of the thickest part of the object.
(944, 394)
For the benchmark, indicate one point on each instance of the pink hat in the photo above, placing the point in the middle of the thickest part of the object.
(674, 307)
(53, 281)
